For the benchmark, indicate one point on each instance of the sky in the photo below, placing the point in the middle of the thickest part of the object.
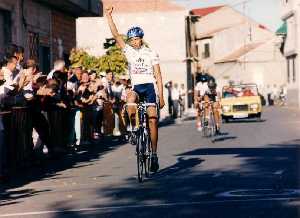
(266, 12)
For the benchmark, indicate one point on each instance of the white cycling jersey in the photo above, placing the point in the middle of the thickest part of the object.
(140, 64)
(201, 88)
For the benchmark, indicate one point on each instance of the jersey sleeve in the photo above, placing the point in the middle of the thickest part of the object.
(197, 87)
(154, 58)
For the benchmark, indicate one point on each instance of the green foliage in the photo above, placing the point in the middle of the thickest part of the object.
(113, 60)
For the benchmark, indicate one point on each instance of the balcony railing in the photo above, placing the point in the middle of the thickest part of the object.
(76, 8)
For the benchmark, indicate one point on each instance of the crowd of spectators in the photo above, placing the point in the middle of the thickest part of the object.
(58, 102)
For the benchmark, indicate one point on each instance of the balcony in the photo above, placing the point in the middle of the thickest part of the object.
(77, 8)
(288, 8)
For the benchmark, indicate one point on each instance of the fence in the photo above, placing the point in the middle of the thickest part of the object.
(56, 128)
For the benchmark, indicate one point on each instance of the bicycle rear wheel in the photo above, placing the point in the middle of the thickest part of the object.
(140, 158)
(212, 124)
(205, 130)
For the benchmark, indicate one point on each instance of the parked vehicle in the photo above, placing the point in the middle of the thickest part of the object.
(240, 102)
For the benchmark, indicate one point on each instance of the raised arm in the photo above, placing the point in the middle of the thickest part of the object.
(113, 28)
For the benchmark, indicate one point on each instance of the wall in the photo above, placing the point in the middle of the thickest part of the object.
(63, 27)
(290, 14)
(263, 66)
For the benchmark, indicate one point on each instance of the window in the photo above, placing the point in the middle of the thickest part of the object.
(5, 30)
(197, 50)
(294, 69)
(288, 70)
(291, 69)
(44, 59)
(33, 44)
(206, 50)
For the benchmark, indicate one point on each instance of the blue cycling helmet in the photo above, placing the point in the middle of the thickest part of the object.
(135, 32)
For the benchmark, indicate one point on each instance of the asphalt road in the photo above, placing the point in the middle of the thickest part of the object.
(251, 170)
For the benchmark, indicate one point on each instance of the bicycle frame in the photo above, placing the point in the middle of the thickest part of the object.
(143, 145)
(208, 119)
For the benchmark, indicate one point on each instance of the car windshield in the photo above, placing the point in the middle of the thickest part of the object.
(240, 91)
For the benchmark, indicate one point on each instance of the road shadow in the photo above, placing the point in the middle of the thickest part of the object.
(168, 121)
(49, 169)
(188, 189)
(245, 121)
(223, 138)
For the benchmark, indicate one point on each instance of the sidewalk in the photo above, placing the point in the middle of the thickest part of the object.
(165, 119)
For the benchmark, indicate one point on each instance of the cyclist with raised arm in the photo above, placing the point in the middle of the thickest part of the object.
(145, 75)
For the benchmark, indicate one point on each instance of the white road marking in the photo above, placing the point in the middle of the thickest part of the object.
(279, 172)
(217, 175)
(243, 193)
(174, 204)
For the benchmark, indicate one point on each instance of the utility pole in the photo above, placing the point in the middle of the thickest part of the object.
(245, 39)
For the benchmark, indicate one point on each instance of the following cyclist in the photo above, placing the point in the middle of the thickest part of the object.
(201, 98)
(145, 75)
(214, 97)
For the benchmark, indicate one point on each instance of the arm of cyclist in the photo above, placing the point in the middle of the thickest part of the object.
(113, 27)
(157, 75)
(196, 97)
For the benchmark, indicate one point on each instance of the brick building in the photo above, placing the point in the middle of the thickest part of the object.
(45, 28)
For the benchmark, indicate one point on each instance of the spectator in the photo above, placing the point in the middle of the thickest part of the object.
(59, 65)
(182, 99)
(2, 155)
(175, 100)
(108, 82)
(20, 57)
(101, 96)
(169, 86)
(8, 70)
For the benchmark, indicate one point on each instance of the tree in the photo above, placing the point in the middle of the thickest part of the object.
(113, 60)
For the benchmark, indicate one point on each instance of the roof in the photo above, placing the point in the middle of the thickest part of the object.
(234, 56)
(205, 11)
(134, 6)
(282, 29)
(213, 32)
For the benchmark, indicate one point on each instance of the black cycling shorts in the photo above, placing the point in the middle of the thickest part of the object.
(146, 92)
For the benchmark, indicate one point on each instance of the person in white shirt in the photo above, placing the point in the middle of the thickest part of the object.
(8, 70)
(145, 75)
(182, 92)
(2, 95)
(175, 100)
(59, 65)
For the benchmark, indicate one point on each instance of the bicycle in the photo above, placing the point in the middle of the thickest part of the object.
(142, 140)
(208, 120)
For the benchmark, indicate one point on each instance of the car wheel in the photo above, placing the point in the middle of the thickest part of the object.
(225, 120)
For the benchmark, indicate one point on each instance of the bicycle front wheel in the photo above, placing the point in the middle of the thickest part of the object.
(147, 152)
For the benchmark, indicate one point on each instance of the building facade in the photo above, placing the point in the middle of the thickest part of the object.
(236, 48)
(164, 27)
(46, 29)
(290, 14)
